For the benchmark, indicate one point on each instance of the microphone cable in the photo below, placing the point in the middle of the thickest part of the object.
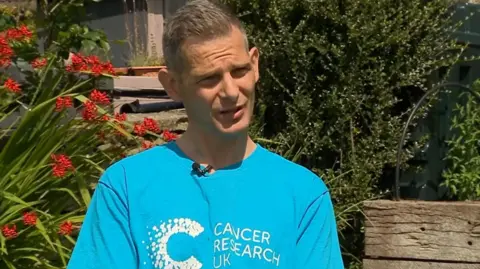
(197, 172)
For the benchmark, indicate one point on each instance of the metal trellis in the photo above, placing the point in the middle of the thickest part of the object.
(417, 106)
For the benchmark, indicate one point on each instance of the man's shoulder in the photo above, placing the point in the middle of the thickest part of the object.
(137, 165)
(293, 173)
(276, 160)
(147, 157)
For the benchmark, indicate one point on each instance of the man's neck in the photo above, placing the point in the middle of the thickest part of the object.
(217, 151)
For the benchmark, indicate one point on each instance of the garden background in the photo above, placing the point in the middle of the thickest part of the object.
(339, 79)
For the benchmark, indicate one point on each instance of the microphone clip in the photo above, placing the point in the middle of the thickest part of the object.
(197, 169)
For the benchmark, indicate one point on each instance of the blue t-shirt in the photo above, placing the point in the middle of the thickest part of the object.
(151, 211)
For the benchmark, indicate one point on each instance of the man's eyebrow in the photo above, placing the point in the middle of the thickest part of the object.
(210, 72)
(242, 65)
(207, 73)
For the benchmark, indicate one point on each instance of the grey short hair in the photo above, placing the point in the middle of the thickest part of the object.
(197, 21)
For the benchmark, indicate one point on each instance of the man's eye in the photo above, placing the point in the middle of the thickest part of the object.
(240, 72)
(208, 80)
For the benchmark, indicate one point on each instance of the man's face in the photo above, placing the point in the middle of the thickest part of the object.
(217, 85)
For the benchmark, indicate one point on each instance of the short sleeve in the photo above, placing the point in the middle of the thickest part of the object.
(317, 243)
(105, 239)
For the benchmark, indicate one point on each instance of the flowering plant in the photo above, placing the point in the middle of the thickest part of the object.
(57, 134)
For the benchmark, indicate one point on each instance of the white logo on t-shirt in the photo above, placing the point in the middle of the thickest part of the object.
(229, 241)
(158, 240)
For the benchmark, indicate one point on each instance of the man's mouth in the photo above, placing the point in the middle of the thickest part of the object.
(231, 110)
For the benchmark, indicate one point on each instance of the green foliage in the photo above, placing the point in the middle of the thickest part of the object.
(50, 157)
(338, 79)
(62, 25)
(143, 59)
(463, 174)
(27, 184)
(31, 148)
(12, 15)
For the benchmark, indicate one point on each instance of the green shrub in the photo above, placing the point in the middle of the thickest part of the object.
(462, 177)
(338, 78)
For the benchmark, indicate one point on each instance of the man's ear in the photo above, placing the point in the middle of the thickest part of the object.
(170, 84)
(254, 59)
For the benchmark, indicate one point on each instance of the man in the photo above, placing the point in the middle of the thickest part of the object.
(213, 198)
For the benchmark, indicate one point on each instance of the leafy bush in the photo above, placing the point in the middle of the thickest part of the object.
(60, 136)
(338, 79)
(462, 176)
(61, 26)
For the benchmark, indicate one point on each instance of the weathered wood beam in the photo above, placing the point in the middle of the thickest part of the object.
(155, 27)
(436, 231)
(130, 83)
(396, 264)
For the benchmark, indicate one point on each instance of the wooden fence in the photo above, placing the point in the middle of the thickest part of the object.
(138, 24)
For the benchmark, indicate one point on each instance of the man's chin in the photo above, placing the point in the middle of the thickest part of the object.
(233, 129)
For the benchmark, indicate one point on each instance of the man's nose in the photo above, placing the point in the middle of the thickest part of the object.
(230, 89)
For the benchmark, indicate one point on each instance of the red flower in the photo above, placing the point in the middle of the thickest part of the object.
(6, 52)
(77, 59)
(67, 101)
(78, 63)
(63, 160)
(97, 69)
(99, 97)
(21, 33)
(151, 125)
(59, 104)
(169, 136)
(30, 218)
(148, 124)
(66, 228)
(120, 117)
(12, 85)
(89, 113)
(58, 171)
(10, 232)
(147, 144)
(108, 68)
(63, 102)
(105, 117)
(90, 64)
(61, 164)
(25, 31)
(139, 129)
(92, 60)
(39, 63)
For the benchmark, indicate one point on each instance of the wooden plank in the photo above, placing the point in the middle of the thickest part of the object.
(155, 27)
(130, 83)
(437, 231)
(397, 264)
(139, 83)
